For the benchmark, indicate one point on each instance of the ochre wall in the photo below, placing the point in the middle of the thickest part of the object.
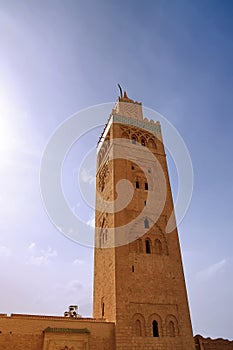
(20, 332)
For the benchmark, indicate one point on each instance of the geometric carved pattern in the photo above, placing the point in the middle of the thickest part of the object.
(103, 177)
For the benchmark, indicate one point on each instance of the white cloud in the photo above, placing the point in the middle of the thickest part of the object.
(43, 258)
(87, 176)
(212, 270)
(32, 246)
(78, 262)
(4, 251)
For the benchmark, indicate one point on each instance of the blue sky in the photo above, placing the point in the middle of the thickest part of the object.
(58, 57)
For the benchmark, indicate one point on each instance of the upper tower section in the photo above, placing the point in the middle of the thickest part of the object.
(129, 113)
(128, 108)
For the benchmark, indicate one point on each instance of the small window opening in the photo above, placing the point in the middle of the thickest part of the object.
(146, 223)
(137, 184)
(132, 167)
(148, 251)
(102, 309)
(155, 328)
(144, 202)
(149, 171)
(146, 186)
(134, 140)
(132, 268)
(143, 143)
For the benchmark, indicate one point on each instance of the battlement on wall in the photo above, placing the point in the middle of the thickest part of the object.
(202, 343)
(48, 317)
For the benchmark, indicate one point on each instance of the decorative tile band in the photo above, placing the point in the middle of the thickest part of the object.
(150, 126)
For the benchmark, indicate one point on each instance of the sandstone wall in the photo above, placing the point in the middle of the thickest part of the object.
(20, 332)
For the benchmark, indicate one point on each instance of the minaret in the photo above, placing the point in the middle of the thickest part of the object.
(138, 275)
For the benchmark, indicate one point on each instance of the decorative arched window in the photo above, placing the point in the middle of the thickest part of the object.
(151, 144)
(148, 248)
(134, 140)
(146, 223)
(172, 326)
(143, 142)
(171, 329)
(138, 328)
(155, 330)
(125, 135)
(138, 325)
(158, 247)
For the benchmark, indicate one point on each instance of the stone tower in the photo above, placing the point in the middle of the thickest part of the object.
(138, 275)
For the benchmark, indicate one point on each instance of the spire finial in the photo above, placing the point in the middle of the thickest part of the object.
(121, 94)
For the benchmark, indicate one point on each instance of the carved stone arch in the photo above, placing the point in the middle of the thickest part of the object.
(161, 237)
(138, 322)
(172, 328)
(155, 317)
(151, 144)
(134, 138)
(158, 248)
(163, 240)
(148, 245)
(125, 135)
(143, 141)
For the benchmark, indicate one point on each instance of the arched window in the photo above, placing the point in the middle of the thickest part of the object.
(151, 144)
(171, 329)
(138, 328)
(143, 142)
(158, 247)
(148, 250)
(138, 325)
(134, 140)
(155, 329)
(146, 223)
(125, 135)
